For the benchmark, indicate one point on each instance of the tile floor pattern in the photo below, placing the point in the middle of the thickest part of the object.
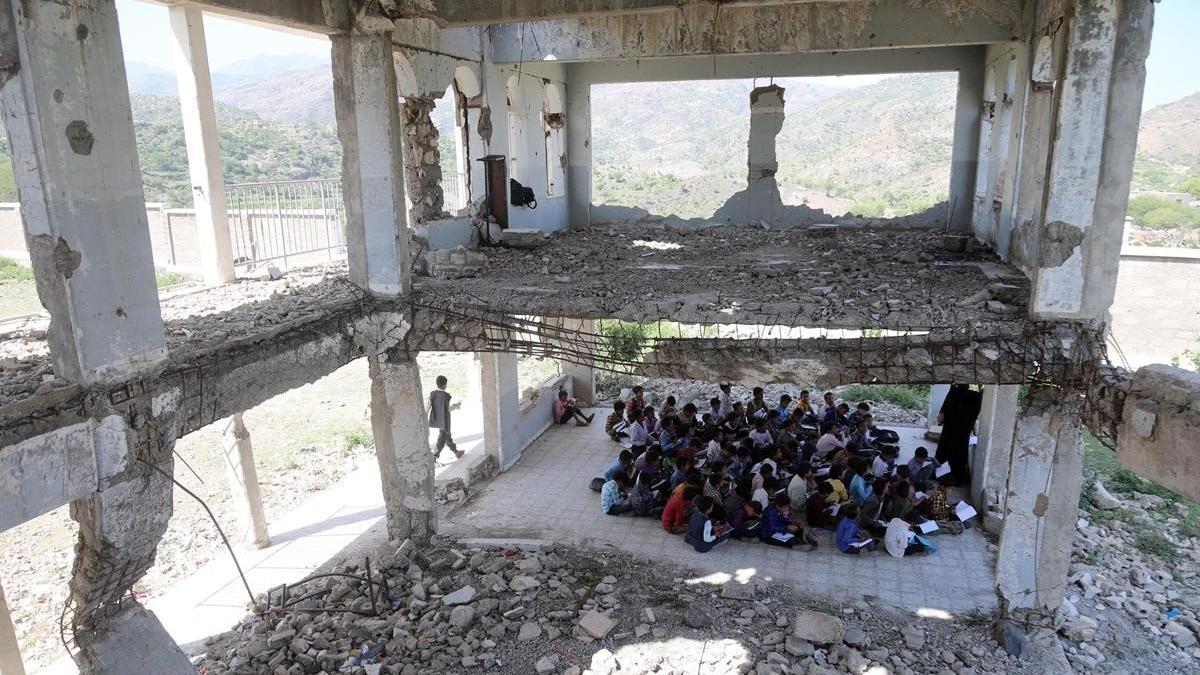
(546, 496)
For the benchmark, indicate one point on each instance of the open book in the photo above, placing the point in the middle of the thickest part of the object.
(783, 536)
(964, 511)
(928, 527)
(942, 470)
(860, 544)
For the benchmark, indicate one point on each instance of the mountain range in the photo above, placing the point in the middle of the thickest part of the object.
(669, 147)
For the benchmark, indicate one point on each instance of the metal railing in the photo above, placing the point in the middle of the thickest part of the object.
(454, 191)
(299, 222)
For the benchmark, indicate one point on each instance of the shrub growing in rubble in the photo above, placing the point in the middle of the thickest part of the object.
(622, 340)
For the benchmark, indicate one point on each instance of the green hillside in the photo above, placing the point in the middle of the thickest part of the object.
(252, 150)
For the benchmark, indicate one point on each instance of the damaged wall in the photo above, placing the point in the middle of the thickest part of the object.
(1160, 427)
(964, 60)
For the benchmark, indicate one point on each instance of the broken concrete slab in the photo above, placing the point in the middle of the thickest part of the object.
(132, 641)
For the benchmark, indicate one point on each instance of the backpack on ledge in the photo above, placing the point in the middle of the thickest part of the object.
(521, 195)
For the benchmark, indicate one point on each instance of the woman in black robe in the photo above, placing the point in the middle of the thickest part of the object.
(957, 418)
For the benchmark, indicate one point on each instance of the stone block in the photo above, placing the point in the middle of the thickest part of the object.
(524, 238)
(134, 641)
(597, 625)
(818, 628)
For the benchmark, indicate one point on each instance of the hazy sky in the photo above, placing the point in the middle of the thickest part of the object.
(1173, 70)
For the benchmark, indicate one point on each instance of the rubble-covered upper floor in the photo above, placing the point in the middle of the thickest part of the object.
(824, 277)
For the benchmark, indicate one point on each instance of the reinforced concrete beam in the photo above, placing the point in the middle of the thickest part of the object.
(66, 111)
(325, 17)
(707, 29)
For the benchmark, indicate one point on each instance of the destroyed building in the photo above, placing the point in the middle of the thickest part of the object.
(1007, 284)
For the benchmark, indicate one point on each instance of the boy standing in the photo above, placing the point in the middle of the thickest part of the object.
(439, 418)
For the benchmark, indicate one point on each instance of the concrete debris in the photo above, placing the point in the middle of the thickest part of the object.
(455, 263)
(570, 621)
(1104, 499)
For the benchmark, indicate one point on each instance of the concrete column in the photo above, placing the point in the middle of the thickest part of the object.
(1069, 232)
(1045, 477)
(422, 160)
(66, 110)
(992, 456)
(1102, 249)
(937, 396)
(243, 482)
(200, 136)
(406, 461)
(120, 526)
(579, 147)
(501, 407)
(10, 650)
(367, 104)
(583, 377)
(964, 157)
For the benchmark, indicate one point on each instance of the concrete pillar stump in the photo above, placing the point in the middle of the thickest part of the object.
(243, 482)
(406, 462)
(501, 407)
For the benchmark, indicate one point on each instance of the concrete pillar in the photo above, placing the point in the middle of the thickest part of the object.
(120, 526)
(583, 377)
(937, 396)
(406, 461)
(992, 456)
(367, 104)
(501, 407)
(66, 111)
(766, 121)
(200, 136)
(579, 147)
(10, 649)
(1045, 477)
(1074, 277)
(422, 160)
(964, 157)
(1102, 249)
(243, 482)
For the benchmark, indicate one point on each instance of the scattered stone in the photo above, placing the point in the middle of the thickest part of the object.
(603, 663)
(529, 631)
(597, 625)
(1103, 499)
(544, 665)
(523, 583)
(1180, 634)
(737, 591)
(462, 616)
(1081, 628)
(696, 617)
(914, 637)
(818, 628)
(460, 597)
(797, 646)
(854, 637)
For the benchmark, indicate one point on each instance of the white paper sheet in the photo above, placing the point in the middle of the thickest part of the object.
(860, 544)
(942, 470)
(964, 511)
(928, 527)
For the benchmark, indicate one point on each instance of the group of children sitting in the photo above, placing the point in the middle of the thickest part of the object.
(771, 472)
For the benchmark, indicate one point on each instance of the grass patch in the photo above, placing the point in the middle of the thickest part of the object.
(164, 278)
(910, 396)
(1100, 463)
(361, 437)
(1155, 544)
(11, 270)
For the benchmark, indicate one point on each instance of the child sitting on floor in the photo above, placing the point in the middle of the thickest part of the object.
(777, 528)
(675, 514)
(702, 533)
(613, 426)
(611, 500)
(849, 538)
(819, 505)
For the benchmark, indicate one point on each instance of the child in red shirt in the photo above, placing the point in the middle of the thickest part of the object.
(675, 515)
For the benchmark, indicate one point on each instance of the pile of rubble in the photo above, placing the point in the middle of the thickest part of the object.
(194, 321)
(450, 609)
(796, 276)
(1133, 599)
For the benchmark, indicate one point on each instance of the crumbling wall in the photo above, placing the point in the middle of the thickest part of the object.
(422, 160)
(1159, 436)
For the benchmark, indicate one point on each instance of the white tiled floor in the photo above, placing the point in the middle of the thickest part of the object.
(546, 496)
